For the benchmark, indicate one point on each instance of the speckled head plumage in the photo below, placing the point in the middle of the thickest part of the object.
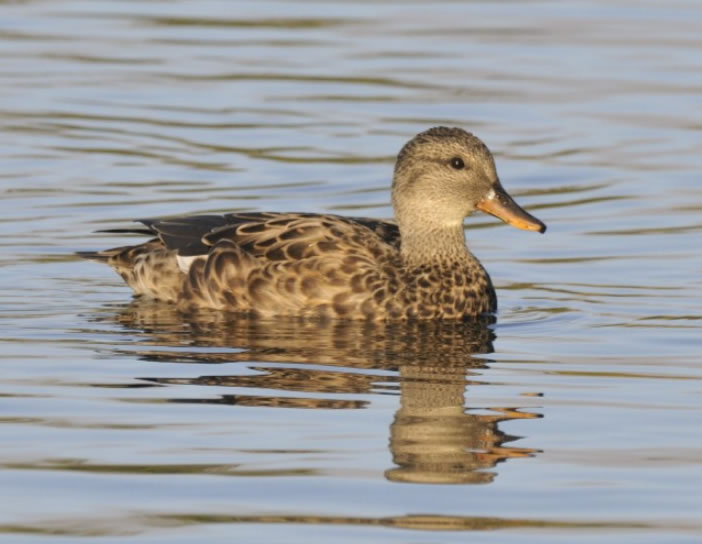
(443, 174)
(323, 265)
(441, 141)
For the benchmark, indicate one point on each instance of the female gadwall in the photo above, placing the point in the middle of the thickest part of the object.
(302, 264)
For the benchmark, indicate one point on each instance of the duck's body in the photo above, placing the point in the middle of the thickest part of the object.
(300, 264)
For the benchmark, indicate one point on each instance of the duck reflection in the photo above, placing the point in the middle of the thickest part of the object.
(433, 437)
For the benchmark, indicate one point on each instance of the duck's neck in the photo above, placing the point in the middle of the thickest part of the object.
(433, 243)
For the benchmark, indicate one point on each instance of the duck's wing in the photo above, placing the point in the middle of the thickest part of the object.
(218, 252)
(275, 236)
(387, 231)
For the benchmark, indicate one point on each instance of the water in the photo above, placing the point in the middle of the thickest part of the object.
(574, 419)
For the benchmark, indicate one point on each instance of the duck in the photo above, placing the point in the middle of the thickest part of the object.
(271, 264)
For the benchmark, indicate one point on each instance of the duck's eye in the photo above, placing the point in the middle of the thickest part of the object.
(457, 163)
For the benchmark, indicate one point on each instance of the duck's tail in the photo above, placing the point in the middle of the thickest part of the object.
(104, 255)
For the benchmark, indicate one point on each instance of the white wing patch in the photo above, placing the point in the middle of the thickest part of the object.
(184, 263)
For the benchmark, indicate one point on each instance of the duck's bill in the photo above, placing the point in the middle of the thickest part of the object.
(503, 206)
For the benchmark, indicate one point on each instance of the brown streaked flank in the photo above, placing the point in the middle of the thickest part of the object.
(330, 266)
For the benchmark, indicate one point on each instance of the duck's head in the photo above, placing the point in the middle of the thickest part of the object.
(444, 174)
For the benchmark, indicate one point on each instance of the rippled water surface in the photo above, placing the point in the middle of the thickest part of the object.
(575, 418)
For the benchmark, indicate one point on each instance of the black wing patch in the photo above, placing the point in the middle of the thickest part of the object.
(184, 234)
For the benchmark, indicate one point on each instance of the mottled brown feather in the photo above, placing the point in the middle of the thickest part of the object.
(323, 265)
(302, 264)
